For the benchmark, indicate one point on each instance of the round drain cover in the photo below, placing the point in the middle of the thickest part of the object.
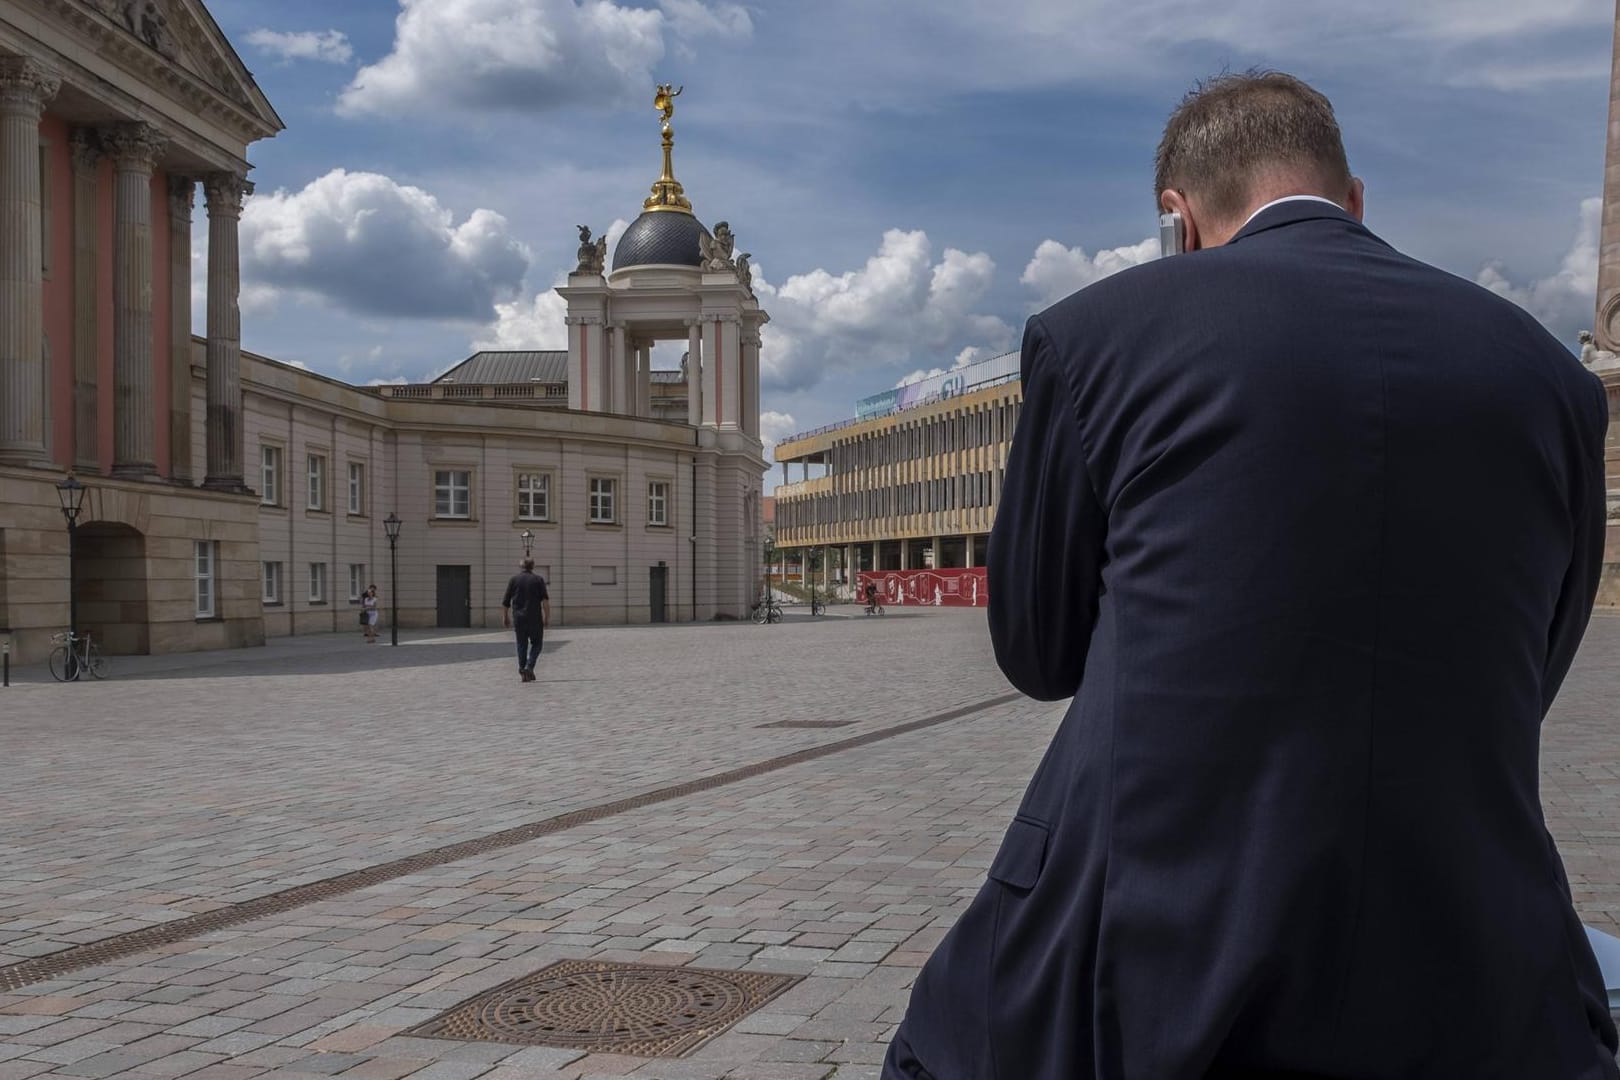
(620, 1008)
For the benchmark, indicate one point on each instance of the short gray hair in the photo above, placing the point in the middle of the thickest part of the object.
(1230, 128)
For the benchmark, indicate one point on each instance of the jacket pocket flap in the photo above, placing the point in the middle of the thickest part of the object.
(1023, 850)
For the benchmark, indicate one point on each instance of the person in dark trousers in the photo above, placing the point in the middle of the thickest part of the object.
(1310, 532)
(526, 608)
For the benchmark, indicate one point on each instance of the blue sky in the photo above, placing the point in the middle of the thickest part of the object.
(913, 179)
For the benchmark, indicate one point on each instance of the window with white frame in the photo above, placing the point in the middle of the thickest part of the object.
(270, 475)
(207, 552)
(317, 583)
(658, 502)
(452, 493)
(317, 482)
(272, 583)
(534, 496)
(357, 487)
(602, 490)
(357, 580)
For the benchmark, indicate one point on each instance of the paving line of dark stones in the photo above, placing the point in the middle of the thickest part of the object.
(42, 968)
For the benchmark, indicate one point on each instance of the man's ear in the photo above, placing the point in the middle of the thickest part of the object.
(1172, 201)
(1356, 203)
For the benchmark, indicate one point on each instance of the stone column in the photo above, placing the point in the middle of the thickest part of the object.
(694, 373)
(618, 400)
(644, 379)
(750, 380)
(25, 87)
(1607, 327)
(86, 329)
(224, 193)
(182, 197)
(134, 149)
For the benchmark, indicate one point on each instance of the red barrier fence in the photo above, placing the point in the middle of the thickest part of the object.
(955, 587)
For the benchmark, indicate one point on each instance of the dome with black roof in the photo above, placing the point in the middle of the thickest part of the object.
(662, 237)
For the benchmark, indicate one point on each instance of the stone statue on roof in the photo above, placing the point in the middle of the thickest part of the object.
(592, 255)
(716, 250)
(745, 273)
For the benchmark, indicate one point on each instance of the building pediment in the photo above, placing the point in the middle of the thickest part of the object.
(176, 46)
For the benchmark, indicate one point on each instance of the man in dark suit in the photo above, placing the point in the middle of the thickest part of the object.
(1310, 531)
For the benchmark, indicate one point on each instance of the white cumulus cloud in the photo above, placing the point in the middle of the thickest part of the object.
(528, 54)
(1056, 271)
(899, 302)
(536, 322)
(773, 428)
(327, 46)
(694, 19)
(366, 244)
(1565, 300)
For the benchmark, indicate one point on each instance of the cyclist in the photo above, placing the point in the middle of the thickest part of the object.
(871, 599)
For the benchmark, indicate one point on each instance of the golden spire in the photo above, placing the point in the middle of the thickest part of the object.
(666, 190)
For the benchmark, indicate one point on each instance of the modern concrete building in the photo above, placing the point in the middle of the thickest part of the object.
(910, 484)
(229, 498)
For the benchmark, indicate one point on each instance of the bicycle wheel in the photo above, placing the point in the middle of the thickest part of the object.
(95, 661)
(776, 613)
(64, 664)
(759, 613)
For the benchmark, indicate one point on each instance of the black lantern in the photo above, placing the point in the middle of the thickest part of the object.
(391, 525)
(527, 536)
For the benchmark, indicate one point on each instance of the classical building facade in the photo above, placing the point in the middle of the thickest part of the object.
(111, 116)
(909, 485)
(232, 498)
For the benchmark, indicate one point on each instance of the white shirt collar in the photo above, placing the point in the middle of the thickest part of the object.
(1288, 198)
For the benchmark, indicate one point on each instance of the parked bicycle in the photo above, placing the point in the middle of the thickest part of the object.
(817, 607)
(767, 610)
(74, 655)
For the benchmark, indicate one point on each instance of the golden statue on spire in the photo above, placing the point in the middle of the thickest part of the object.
(664, 101)
(666, 190)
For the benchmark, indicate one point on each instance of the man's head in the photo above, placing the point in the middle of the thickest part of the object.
(528, 564)
(1237, 142)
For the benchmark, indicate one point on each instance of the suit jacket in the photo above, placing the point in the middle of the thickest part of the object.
(1310, 531)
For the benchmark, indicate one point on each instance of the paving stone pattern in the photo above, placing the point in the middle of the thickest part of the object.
(179, 787)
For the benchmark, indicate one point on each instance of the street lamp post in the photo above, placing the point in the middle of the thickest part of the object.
(527, 536)
(391, 525)
(70, 493)
(769, 553)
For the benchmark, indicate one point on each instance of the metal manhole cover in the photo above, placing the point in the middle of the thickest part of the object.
(639, 1009)
(807, 724)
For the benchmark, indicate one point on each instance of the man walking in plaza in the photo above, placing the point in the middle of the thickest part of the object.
(526, 608)
(1310, 531)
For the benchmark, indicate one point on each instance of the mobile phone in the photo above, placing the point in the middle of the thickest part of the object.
(1172, 235)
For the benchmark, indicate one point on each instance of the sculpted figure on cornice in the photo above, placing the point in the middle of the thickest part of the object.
(716, 250)
(592, 254)
(745, 273)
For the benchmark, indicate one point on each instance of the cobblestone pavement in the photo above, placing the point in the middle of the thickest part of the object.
(186, 784)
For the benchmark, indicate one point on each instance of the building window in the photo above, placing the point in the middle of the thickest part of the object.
(207, 556)
(270, 475)
(272, 583)
(317, 482)
(658, 503)
(357, 580)
(452, 493)
(317, 583)
(534, 496)
(357, 488)
(602, 491)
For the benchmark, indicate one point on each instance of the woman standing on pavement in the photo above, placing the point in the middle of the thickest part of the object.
(368, 605)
